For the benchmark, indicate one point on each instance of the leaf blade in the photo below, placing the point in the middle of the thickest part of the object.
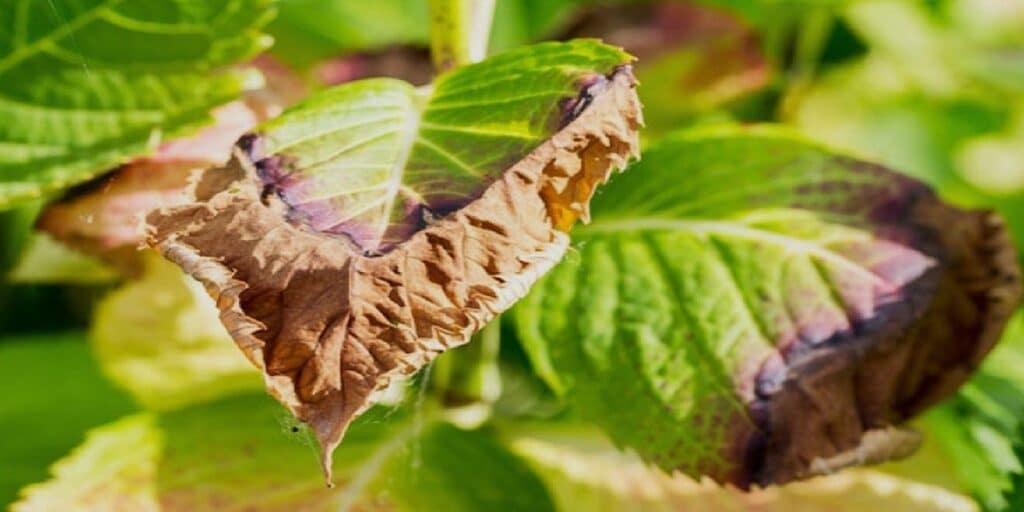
(87, 85)
(753, 255)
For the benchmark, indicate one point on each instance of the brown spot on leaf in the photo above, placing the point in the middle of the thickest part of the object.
(831, 403)
(330, 326)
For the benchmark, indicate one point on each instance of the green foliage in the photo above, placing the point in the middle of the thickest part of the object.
(923, 101)
(976, 432)
(159, 338)
(45, 260)
(1015, 496)
(308, 31)
(53, 392)
(528, 21)
(86, 85)
(979, 431)
(363, 155)
(198, 459)
(716, 247)
(585, 472)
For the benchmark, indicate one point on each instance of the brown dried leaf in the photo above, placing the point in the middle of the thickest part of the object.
(329, 326)
(105, 217)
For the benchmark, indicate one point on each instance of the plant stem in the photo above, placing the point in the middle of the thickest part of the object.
(459, 31)
(469, 374)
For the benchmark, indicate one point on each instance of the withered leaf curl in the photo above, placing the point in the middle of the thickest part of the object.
(331, 324)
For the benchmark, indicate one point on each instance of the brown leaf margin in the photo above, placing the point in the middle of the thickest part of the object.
(330, 327)
(833, 404)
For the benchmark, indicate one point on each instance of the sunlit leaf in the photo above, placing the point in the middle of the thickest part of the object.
(375, 225)
(158, 337)
(86, 85)
(585, 473)
(752, 307)
(234, 452)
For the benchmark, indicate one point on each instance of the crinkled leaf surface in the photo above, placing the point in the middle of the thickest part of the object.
(375, 225)
(235, 452)
(85, 85)
(750, 306)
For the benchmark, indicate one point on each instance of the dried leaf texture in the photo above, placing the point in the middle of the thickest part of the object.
(330, 326)
(105, 217)
(832, 404)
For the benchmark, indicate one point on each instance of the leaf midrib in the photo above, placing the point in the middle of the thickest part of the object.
(419, 98)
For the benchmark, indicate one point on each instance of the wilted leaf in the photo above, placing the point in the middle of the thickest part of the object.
(234, 453)
(375, 225)
(754, 308)
(105, 218)
(159, 337)
(86, 85)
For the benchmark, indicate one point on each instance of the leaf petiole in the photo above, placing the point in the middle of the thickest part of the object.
(459, 31)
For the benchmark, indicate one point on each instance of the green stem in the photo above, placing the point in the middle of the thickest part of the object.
(470, 374)
(459, 30)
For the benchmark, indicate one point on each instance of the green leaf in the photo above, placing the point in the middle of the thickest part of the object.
(529, 21)
(724, 270)
(584, 472)
(373, 158)
(927, 108)
(975, 432)
(159, 337)
(86, 85)
(233, 451)
(1015, 496)
(45, 260)
(308, 31)
(53, 391)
